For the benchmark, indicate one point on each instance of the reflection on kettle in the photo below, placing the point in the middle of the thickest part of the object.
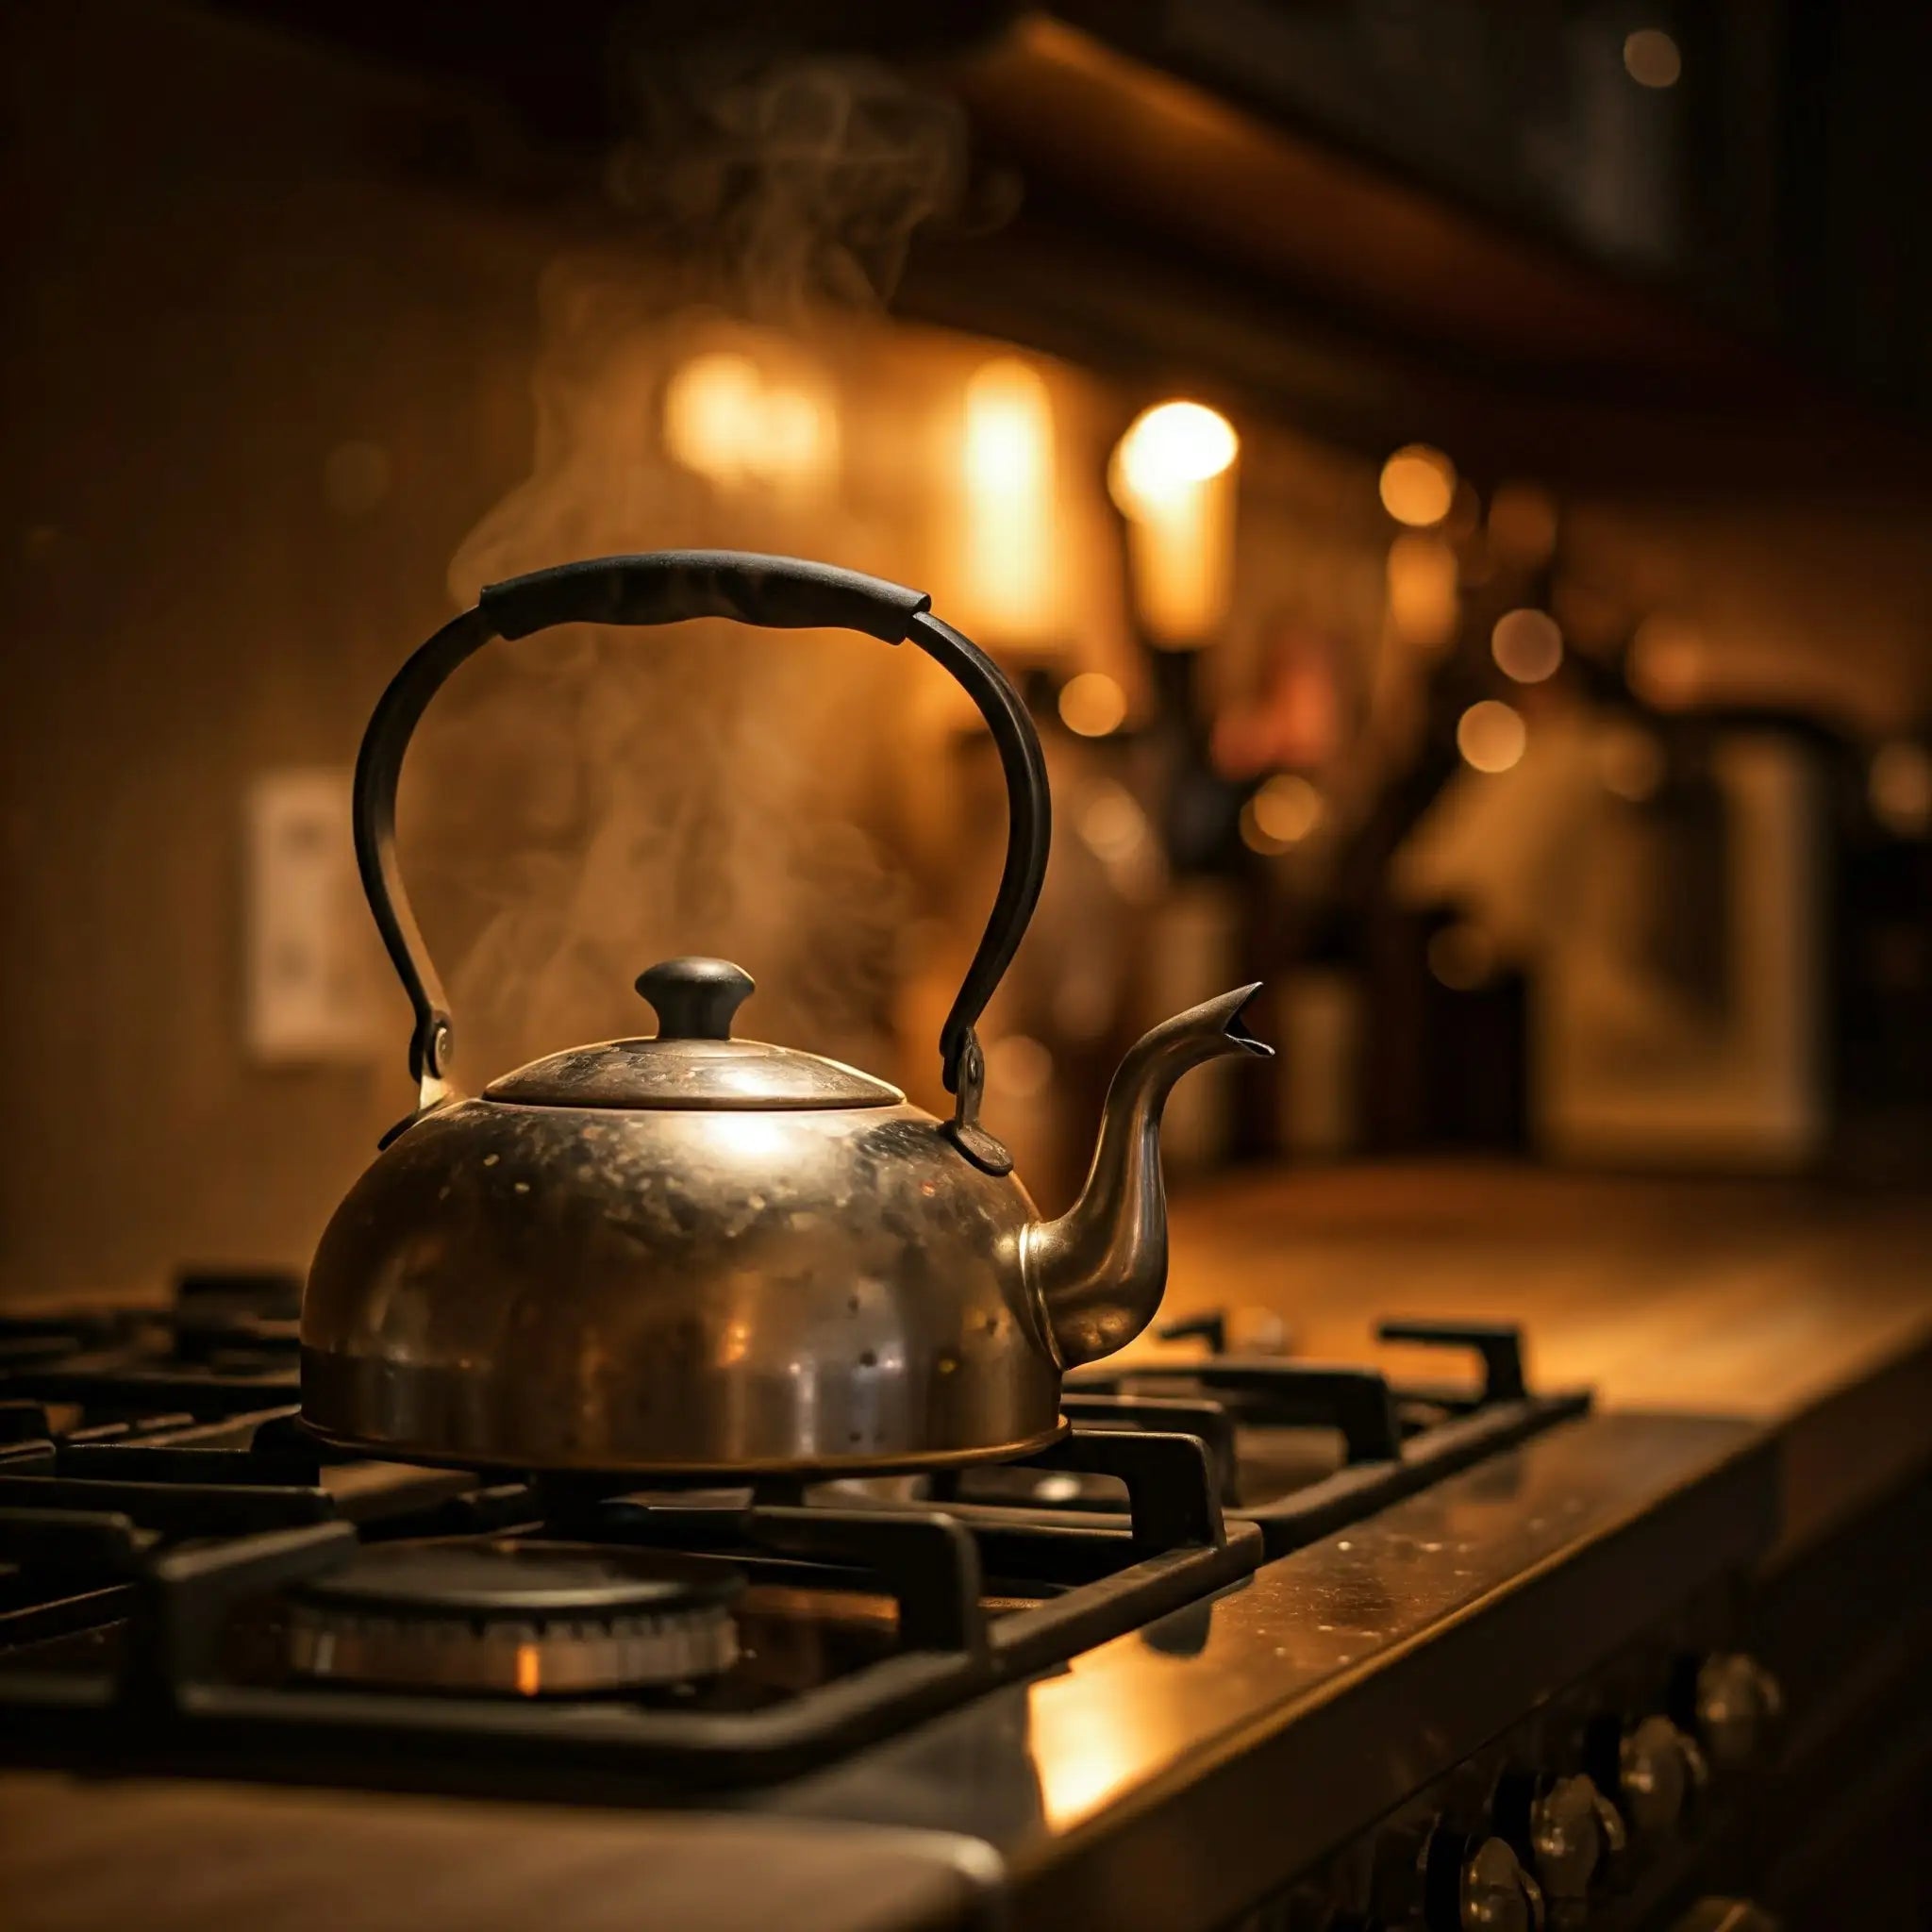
(694, 1252)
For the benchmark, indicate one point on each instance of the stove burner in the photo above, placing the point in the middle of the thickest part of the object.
(515, 1619)
(166, 1525)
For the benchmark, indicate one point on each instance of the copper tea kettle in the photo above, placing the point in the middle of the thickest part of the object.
(698, 1254)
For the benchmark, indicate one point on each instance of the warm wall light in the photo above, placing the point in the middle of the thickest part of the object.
(791, 436)
(1667, 661)
(1281, 814)
(1018, 1066)
(1526, 645)
(1172, 477)
(726, 422)
(1650, 58)
(1167, 451)
(1630, 762)
(1113, 826)
(1422, 581)
(1418, 485)
(1900, 788)
(1490, 736)
(711, 413)
(1007, 463)
(1522, 524)
(1092, 704)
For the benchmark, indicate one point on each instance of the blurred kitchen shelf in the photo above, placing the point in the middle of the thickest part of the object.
(1176, 225)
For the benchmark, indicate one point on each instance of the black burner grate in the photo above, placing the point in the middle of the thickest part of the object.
(158, 1501)
(1393, 1441)
(166, 1695)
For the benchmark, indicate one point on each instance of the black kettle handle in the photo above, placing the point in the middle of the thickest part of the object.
(668, 587)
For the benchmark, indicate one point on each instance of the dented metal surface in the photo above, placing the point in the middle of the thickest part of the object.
(715, 1291)
(562, 1288)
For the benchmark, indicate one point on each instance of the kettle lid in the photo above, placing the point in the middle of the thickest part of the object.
(692, 1063)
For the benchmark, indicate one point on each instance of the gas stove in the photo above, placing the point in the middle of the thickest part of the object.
(211, 1566)
(1090, 1674)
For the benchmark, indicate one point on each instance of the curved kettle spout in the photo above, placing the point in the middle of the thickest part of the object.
(1099, 1270)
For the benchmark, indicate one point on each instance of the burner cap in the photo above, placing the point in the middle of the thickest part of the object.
(523, 1619)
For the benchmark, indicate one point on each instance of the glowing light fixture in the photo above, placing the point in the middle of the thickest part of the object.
(1092, 704)
(1630, 761)
(1526, 645)
(1650, 58)
(1167, 451)
(1492, 735)
(1113, 827)
(723, 421)
(1522, 524)
(1900, 788)
(1418, 485)
(1112, 824)
(791, 430)
(1667, 661)
(711, 413)
(1008, 461)
(1018, 1066)
(1423, 580)
(1280, 814)
(1172, 477)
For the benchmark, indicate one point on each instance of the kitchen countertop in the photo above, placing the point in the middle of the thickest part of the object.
(306, 1861)
(1805, 1310)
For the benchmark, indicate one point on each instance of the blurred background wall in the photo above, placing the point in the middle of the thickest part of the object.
(258, 390)
(285, 385)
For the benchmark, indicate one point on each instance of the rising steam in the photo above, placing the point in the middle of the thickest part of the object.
(798, 184)
(696, 789)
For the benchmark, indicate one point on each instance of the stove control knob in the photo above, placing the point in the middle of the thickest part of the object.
(1613, 1835)
(1477, 1885)
(1573, 1832)
(1659, 1770)
(1737, 1704)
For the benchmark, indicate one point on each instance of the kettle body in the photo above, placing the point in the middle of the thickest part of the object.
(699, 1256)
(559, 1289)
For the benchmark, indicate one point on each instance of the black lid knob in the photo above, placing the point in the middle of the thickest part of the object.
(694, 999)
